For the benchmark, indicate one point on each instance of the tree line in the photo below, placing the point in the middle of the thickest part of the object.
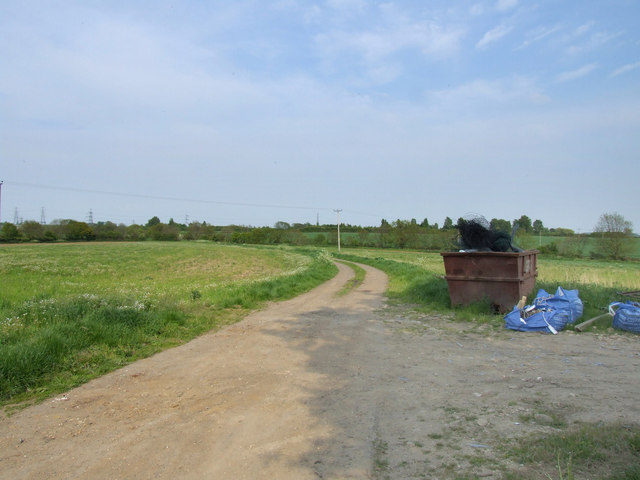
(612, 232)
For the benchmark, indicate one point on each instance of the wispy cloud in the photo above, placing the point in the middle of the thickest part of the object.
(493, 35)
(375, 48)
(625, 69)
(584, 28)
(575, 74)
(538, 35)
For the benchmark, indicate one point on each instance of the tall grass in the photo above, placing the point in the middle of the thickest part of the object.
(59, 338)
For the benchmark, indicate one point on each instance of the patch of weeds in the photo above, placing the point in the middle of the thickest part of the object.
(355, 281)
(604, 451)
(451, 410)
(544, 414)
(380, 462)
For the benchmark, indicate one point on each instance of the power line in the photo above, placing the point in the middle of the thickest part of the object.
(158, 197)
(179, 199)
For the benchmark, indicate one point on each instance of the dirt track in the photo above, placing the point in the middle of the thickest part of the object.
(325, 386)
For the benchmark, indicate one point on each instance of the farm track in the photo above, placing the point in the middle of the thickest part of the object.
(325, 386)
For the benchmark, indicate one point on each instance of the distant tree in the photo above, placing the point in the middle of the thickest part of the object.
(282, 225)
(194, 231)
(74, 230)
(153, 221)
(448, 224)
(32, 230)
(538, 227)
(500, 225)
(109, 231)
(614, 240)
(425, 223)
(9, 232)
(524, 224)
(134, 232)
(562, 232)
(164, 232)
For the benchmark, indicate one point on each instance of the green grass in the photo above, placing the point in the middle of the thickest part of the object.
(69, 313)
(356, 280)
(597, 451)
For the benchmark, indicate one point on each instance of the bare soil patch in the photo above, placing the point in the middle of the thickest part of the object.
(327, 386)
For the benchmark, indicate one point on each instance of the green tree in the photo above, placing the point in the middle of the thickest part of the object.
(282, 225)
(74, 230)
(152, 222)
(9, 232)
(134, 232)
(538, 227)
(500, 225)
(448, 224)
(164, 232)
(425, 223)
(32, 230)
(524, 224)
(109, 231)
(614, 239)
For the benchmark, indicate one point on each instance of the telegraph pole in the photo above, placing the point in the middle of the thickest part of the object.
(1, 182)
(338, 212)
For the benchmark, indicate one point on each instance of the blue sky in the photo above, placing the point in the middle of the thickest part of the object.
(251, 112)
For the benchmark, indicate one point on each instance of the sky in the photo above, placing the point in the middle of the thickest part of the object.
(254, 111)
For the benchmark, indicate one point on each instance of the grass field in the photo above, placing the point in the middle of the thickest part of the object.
(70, 312)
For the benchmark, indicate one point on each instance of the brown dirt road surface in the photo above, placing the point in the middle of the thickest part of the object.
(326, 386)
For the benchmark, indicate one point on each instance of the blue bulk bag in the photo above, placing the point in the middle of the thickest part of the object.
(543, 320)
(562, 300)
(626, 316)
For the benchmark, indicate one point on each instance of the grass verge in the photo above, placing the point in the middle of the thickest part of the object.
(52, 343)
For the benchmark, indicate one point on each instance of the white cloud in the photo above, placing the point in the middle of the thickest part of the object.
(373, 49)
(575, 74)
(625, 69)
(493, 35)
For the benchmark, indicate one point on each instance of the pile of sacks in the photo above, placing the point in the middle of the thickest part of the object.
(547, 313)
